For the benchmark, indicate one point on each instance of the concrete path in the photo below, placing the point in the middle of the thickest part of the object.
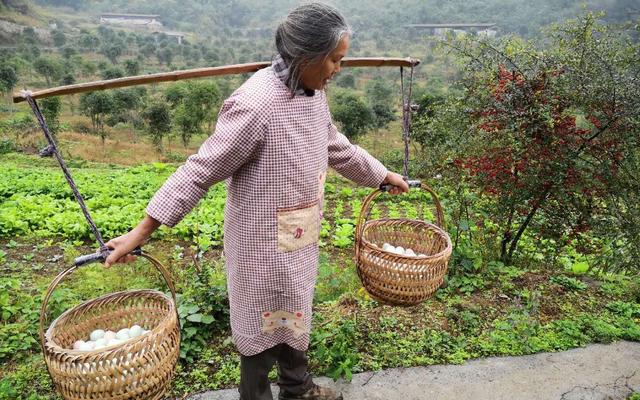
(596, 372)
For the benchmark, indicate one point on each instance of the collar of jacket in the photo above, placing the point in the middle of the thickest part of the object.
(281, 69)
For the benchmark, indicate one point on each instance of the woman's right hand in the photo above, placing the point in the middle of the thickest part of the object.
(125, 244)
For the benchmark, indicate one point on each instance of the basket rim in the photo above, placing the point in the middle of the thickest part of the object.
(52, 346)
(366, 243)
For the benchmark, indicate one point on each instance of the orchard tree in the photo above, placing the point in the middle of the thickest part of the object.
(88, 68)
(112, 73)
(88, 41)
(51, 108)
(112, 50)
(127, 102)
(148, 49)
(30, 36)
(379, 95)
(548, 140)
(194, 104)
(352, 113)
(68, 79)
(59, 38)
(49, 68)
(132, 67)
(97, 105)
(157, 117)
(165, 55)
(346, 80)
(8, 78)
(68, 52)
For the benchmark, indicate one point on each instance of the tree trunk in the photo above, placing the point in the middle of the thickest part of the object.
(507, 236)
(525, 224)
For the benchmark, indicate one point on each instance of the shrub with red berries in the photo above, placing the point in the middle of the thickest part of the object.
(549, 138)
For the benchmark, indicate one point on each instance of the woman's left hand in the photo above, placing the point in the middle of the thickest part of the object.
(399, 184)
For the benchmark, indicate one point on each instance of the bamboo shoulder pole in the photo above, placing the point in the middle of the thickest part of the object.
(198, 73)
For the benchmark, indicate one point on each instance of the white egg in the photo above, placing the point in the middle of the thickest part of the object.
(409, 252)
(86, 346)
(388, 247)
(97, 334)
(123, 334)
(77, 344)
(100, 343)
(400, 250)
(109, 335)
(422, 255)
(135, 331)
(113, 342)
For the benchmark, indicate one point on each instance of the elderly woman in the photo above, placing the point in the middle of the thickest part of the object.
(273, 142)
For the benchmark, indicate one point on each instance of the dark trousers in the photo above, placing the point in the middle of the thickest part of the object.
(292, 372)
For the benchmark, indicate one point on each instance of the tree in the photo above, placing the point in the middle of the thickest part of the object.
(31, 52)
(48, 68)
(126, 105)
(59, 38)
(112, 50)
(30, 36)
(97, 105)
(51, 108)
(346, 80)
(379, 95)
(428, 106)
(157, 116)
(112, 73)
(548, 140)
(68, 79)
(353, 114)
(88, 68)
(148, 49)
(8, 78)
(88, 41)
(194, 103)
(165, 55)
(132, 67)
(68, 52)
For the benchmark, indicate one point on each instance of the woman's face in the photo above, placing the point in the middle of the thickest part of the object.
(317, 75)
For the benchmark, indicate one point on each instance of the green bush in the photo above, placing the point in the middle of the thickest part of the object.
(7, 146)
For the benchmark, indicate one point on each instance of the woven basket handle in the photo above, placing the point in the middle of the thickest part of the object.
(43, 310)
(368, 204)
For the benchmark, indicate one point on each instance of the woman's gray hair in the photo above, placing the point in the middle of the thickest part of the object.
(309, 34)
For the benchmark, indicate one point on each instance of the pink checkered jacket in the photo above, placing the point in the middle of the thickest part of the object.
(273, 151)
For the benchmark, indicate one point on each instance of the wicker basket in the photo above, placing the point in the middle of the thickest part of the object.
(140, 368)
(398, 279)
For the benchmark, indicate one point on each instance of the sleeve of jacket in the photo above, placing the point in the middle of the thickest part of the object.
(352, 161)
(237, 139)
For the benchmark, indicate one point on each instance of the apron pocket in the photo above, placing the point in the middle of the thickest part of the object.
(298, 226)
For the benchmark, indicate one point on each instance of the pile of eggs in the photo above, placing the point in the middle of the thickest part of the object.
(401, 250)
(100, 338)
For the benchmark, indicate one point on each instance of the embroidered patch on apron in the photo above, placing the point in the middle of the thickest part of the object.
(272, 320)
(298, 226)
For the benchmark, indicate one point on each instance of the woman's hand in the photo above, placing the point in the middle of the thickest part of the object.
(398, 182)
(125, 244)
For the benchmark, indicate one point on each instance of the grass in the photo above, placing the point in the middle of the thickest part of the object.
(512, 314)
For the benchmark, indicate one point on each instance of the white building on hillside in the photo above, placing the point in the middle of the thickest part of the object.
(152, 21)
